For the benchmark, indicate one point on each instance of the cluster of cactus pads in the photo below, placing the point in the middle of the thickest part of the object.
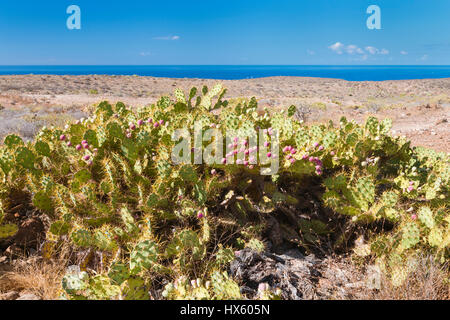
(108, 185)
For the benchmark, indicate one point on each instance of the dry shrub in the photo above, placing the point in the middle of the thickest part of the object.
(428, 281)
(37, 276)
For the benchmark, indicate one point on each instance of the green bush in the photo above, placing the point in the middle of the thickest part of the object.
(108, 184)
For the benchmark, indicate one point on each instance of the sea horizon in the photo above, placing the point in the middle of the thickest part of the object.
(238, 72)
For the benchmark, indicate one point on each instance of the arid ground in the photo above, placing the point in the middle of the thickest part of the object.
(420, 109)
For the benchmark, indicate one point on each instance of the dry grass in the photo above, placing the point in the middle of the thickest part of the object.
(36, 276)
(428, 281)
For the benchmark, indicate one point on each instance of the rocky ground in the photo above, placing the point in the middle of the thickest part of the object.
(419, 108)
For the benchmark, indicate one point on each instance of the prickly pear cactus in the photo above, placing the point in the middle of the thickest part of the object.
(109, 186)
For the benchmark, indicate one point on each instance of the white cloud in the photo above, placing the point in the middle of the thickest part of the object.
(145, 54)
(352, 49)
(337, 47)
(167, 38)
(403, 52)
(424, 57)
(371, 50)
(311, 52)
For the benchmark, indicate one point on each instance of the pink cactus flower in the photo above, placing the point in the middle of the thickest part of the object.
(245, 143)
(86, 157)
(78, 147)
(410, 188)
(305, 156)
(245, 163)
(235, 152)
(413, 217)
(289, 156)
(236, 140)
(411, 183)
(200, 215)
(140, 122)
(332, 153)
(247, 152)
(132, 126)
(319, 172)
(251, 167)
(292, 160)
(315, 144)
(318, 168)
(90, 162)
(239, 161)
(266, 143)
(285, 149)
(129, 135)
(69, 144)
(293, 151)
(84, 142)
(161, 122)
(311, 159)
(269, 154)
(62, 137)
(86, 146)
(150, 120)
(213, 171)
(224, 161)
(321, 148)
(156, 124)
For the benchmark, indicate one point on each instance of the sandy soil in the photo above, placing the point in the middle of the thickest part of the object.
(420, 109)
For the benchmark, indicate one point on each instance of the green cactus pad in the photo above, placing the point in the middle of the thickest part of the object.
(144, 256)
(8, 230)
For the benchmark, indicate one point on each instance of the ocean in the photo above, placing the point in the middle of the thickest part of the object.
(233, 72)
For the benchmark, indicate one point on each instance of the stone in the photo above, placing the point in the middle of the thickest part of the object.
(28, 296)
(11, 295)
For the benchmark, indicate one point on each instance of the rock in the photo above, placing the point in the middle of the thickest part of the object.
(28, 296)
(298, 276)
(12, 295)
(291, 272)
(31, 231)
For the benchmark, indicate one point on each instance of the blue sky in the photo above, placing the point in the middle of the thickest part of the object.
(225, 32)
